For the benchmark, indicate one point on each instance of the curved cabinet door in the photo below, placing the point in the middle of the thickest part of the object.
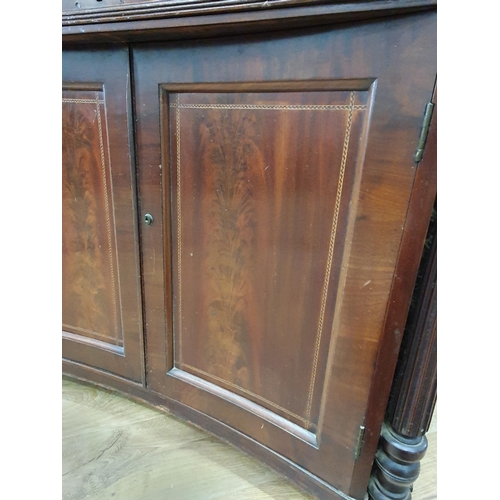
(279, 171)
(102, 325)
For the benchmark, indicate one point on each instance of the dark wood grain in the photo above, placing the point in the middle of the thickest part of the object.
(387, 53)
(397, 465)
(402, 442)
(260, 326)
(413, 393)
(102, 322)
(95, 11)
(195, 20)
(89, 250)
(261, 227)
(412, 245)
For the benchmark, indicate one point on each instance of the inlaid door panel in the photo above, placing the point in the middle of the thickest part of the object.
(101, 299)
(257, 188)
(279, 171)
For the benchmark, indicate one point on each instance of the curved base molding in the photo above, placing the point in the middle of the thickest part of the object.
(136, 392)
(266, 302)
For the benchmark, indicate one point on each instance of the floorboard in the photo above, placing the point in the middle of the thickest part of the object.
(113, 448)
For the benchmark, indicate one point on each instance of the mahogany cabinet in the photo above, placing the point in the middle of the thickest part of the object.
(244, 217)
(102, 310)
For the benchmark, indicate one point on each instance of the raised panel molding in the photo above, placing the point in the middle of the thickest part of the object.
(101, 307)
(267, 212)
(90, 285)
(262, 182)
(273, 228)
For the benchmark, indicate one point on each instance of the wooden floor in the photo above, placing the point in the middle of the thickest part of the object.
(116, 449)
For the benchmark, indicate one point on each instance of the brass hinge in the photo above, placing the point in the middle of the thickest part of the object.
(419, 153)
(360, 441)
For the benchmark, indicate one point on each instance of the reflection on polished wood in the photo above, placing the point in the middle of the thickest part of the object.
(115, 448)
(89, 262)
(101, 295)
(266, 302)
(261, 182)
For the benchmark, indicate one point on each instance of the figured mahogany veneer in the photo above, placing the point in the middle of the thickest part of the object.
(375, 66)
(258, 184)
(89, 250)
(286, 203)
(102, 320)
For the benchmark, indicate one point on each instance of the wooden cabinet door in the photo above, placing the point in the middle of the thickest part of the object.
(279, 171)
(102, 324)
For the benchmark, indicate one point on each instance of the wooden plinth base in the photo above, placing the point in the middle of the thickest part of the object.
(397, 465)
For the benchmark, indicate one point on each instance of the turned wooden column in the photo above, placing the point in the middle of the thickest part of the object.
(402, 442)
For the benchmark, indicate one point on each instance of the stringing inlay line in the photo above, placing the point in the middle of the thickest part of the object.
(179, 228)
(209, 375)
(106, 205)
(290, 107)
(82, 101)
(350, 108)
(330, 256)
(97, 102)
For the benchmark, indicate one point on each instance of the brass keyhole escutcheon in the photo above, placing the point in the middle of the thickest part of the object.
(148, 219)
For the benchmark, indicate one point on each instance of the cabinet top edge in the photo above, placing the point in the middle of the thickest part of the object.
(133, 20)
